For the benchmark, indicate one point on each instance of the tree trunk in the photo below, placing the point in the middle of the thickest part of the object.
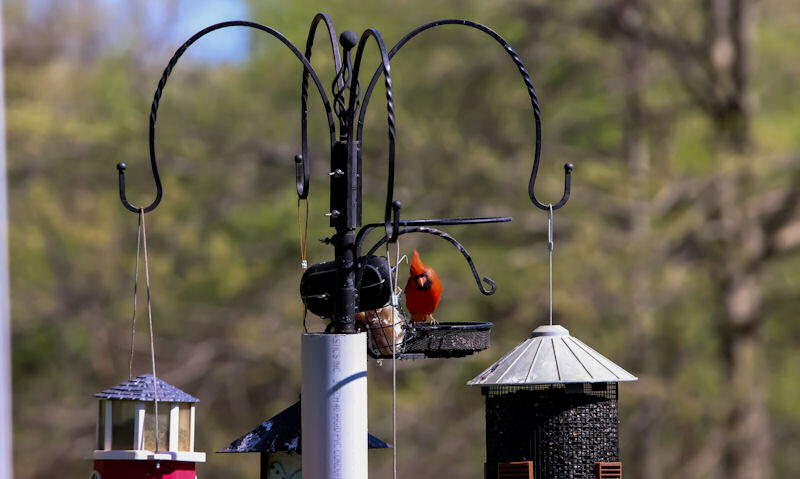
(739, 262)
(634, 62)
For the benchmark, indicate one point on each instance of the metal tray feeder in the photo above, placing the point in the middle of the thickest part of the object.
(443, 340)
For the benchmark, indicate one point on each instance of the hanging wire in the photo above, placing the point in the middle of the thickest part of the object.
(135, 291)
(150, 322)
(550, 246)
(395, 303)
(302, 234)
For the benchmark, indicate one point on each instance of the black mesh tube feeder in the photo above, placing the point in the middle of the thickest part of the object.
(551, 405)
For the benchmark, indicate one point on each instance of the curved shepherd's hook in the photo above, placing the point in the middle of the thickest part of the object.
(162, 83)
(528, 84)
(391, 215)
(419, 226)
(491, 287)
(302, 168)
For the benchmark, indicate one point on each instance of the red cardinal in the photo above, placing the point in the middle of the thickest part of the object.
(423, 291)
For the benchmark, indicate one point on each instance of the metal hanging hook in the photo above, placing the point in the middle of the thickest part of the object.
(568, 167)
(301, 163)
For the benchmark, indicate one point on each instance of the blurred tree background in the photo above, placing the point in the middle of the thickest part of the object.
(675, 256)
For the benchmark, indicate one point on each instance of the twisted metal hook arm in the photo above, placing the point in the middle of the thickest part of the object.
(528, 84)
(302, 171)
(163, 82)
(392, 211)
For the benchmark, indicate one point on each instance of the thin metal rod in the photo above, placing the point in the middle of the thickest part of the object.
(366, 229)
(394, 304)
(550, 246)
(150, 321)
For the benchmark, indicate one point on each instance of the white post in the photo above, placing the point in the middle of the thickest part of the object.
(138, 426)
(334, 406)
(107, 444)
(5, 323)
(174, 422)
(191, 429)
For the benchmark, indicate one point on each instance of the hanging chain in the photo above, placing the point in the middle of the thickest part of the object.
(550, 245)
(135, 294)
(150, 322)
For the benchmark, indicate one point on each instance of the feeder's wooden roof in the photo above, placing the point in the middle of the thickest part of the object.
(141, 388)
(281, 433)
(551, 356)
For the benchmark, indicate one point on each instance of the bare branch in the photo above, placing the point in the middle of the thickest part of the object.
(775, 222)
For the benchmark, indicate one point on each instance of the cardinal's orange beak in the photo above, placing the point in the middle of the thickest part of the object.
(421, 281)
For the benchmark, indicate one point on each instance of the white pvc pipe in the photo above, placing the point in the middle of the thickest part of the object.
(334, 406)
(5, 322)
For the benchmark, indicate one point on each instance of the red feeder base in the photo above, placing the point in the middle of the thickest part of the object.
(144, 469)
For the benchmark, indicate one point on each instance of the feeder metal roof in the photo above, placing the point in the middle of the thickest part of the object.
(141, 388)
(551, 356)
(281, 433)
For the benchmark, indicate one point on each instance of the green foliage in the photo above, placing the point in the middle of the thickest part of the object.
(224, 261)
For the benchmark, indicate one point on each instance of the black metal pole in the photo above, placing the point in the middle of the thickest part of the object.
(345, 196)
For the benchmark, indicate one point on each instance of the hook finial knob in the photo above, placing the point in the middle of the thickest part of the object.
(348, 39)
(568, 167)
(121, 166)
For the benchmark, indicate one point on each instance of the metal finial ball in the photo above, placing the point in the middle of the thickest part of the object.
(121, 166)
(348, 39)
(568, 167)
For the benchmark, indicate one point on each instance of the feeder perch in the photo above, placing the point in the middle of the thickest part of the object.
(552, 401)
(442, 340)
(278, 439)
(126, 443)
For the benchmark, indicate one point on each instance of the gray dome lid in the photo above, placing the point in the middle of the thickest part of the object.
(551, 356)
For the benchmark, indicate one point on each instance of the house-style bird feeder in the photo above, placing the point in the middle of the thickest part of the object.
(551, 410)
(279, 441)
(126, 432)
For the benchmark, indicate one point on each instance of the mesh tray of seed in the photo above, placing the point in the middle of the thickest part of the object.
(443, 340)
